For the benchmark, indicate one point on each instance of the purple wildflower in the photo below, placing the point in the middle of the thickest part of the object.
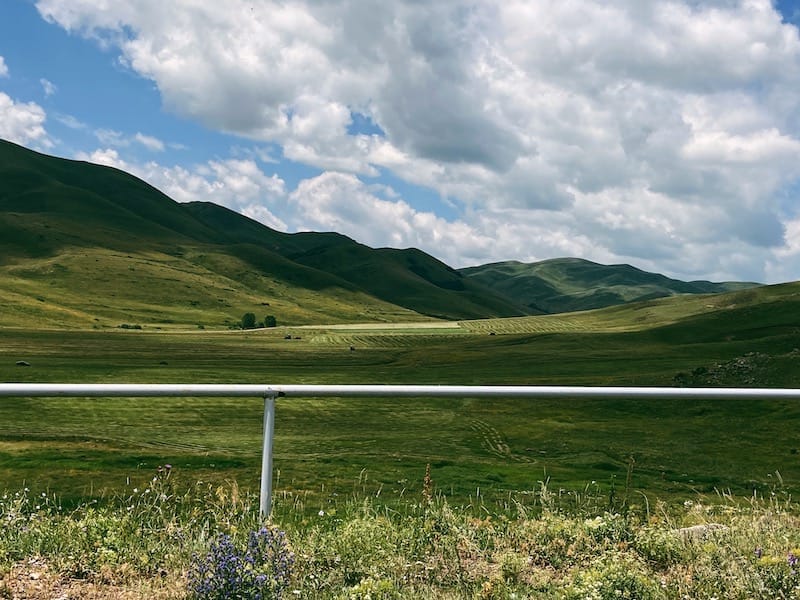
(261, 572)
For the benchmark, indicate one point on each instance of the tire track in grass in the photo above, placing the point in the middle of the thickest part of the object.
(493, 441)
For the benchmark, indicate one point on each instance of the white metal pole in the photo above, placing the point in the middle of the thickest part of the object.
(76, 390)
(265, 498)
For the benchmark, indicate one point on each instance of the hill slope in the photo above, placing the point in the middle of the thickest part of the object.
(409, 278)
(571, 284)
(87, 244)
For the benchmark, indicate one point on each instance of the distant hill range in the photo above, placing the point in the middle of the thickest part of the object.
(89, 245)
(572, 284)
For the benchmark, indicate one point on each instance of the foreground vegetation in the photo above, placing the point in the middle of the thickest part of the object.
(158, 540)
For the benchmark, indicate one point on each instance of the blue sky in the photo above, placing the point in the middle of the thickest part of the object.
(663, 134)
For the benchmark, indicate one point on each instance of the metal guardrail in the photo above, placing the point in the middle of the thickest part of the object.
(270, 392)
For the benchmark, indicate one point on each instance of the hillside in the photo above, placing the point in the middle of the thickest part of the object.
(409, 278)
(89, 245)
(572, 284)
(83, 245)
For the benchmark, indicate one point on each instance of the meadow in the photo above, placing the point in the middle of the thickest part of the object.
(495, 449)
(414, 497)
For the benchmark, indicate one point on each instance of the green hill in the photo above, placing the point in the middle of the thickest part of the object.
(572, 284)
(408, 278)
(88, 245)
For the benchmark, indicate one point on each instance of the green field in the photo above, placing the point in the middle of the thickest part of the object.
(329, 448)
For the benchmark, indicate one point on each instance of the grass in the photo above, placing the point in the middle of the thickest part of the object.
(150, 542)
(547, 499)
(83, 448)
(198, 286)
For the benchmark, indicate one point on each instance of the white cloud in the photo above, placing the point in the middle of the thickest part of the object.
(23, 123)
(659, 132)
(341, 202)
(151, 143)
(118, 139)
(109, 137)
(105, 156)
(48, 86)
(785, 264)
(3, 67)
(71, 121)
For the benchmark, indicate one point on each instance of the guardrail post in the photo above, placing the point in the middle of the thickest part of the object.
(265, 498)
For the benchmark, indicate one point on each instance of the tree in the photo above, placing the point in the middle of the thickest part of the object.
(270, 321)
(248, 321)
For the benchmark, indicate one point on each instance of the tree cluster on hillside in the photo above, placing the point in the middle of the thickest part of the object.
(248, 321)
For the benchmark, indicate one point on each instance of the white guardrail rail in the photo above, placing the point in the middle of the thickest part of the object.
(270, 392)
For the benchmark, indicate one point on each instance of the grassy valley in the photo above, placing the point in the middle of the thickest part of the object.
(497, 446)
(102, 279)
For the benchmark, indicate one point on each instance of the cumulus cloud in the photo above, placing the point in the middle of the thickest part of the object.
(786, 262)
(376, 216)
(23, 123)
(3, 67)
(669, 141)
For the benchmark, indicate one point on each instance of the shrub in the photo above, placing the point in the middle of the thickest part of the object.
(659, 546)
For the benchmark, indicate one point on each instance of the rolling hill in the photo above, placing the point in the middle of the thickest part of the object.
(572, 284)
(84, 245)
(88, 245)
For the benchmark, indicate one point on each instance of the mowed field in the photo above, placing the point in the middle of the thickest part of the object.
(497, 449)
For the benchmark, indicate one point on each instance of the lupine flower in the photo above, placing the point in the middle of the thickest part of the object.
(261, 572)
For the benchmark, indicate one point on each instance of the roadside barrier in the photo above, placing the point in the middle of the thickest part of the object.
(270, 392)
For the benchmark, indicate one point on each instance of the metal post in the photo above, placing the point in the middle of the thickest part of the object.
(265, 500)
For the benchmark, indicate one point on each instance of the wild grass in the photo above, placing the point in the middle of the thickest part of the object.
(152, 541)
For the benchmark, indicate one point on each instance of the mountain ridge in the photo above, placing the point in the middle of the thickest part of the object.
(571, 284)
(51, 206)
(102, 238)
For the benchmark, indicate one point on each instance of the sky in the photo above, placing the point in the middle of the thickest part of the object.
(659, 133)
